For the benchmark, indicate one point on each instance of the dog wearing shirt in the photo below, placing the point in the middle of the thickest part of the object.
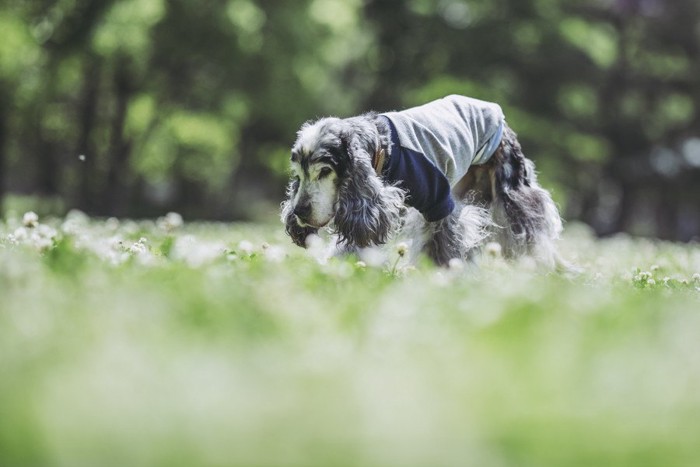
(450, 175)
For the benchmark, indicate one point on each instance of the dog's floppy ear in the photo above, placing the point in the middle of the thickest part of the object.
(367, 210)
(297, 233)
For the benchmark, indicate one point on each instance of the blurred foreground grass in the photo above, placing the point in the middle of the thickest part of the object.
(126, 343)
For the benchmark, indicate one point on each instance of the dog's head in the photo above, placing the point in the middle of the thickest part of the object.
(333, 182)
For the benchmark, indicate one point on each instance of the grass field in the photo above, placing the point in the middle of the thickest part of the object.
(160, 344)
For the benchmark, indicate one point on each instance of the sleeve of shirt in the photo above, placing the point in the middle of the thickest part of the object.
(428, 189)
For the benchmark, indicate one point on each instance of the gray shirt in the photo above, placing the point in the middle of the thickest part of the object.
(453, 133)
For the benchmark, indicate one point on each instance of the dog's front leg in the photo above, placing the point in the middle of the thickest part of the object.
(459, 235)
(445, 240)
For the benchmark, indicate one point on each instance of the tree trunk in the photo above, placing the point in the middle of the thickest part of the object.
(85, 149)
(47, 176)
(48, 170)
(667, 212)
(119, 148)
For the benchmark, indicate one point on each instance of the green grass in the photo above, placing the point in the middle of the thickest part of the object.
(213, 344)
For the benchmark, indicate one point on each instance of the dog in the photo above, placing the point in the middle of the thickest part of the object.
(449, 175)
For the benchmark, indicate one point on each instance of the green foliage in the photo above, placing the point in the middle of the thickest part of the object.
(141, 116)
(154, 343)
(445, 85)
(125, 28)
(198, 144)
(62, 257)
(579, 101)
(17, 49)
(248, 19)
(205, 97)
(598, 41)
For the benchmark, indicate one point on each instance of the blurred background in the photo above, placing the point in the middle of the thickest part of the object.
(138, 107)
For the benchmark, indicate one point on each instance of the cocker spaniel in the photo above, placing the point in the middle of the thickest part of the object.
(449, 175)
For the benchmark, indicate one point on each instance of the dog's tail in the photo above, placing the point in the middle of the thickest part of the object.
(529, 219)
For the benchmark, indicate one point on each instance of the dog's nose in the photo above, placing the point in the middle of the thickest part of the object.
(302, 211)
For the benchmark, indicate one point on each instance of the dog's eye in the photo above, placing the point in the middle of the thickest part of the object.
(324, 172)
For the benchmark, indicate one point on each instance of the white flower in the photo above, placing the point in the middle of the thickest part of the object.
(112, 223)
(46, 231)
(696, 278)
(245, 246)
(171, 221)
(195, 252)
(493, 249)
(456, 264)
(30, 219)
(274, 254)
(138, 247)
(42, 243)
(401, 248)
(318, 249)
(644, 276)
(21, 234)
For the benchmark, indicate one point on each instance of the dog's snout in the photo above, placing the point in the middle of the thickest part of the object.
(302, 211)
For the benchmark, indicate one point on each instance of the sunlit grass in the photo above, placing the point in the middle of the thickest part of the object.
(158, 343)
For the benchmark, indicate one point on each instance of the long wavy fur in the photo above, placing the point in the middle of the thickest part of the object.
(527, 214)
(459, 235)
(506, 204)
(368, 211)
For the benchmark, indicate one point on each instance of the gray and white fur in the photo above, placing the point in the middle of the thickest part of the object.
(334, 185)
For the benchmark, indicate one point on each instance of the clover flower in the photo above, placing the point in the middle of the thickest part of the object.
(75, 223)
(170, 222)
(401, 249)
(246, 247)
(138, 247)
(274, 253)
(493, 249)
(455, 264)
(112, 223)
(30, 219)
(196, 252)
(643, 278)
